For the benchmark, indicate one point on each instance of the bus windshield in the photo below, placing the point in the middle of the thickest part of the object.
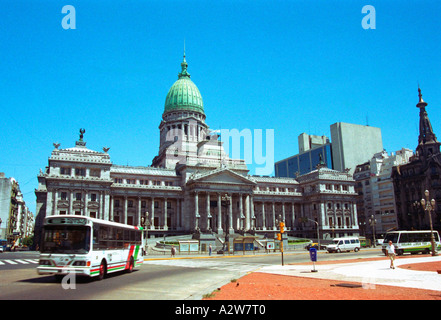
(391, 237)
(66, 239)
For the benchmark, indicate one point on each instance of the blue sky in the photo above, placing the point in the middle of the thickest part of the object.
(292, 66)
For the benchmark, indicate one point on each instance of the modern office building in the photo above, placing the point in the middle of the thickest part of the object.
(350, 145)
(353, 144)
(313, 150)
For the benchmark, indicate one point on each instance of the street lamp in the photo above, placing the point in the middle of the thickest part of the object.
(373, 222)
(428, 207)
(318, 231)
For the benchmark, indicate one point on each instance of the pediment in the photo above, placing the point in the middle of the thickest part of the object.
(220, 176)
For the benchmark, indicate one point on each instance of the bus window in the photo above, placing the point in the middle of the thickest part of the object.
(405, 237)
(62, 239)
(391, 237)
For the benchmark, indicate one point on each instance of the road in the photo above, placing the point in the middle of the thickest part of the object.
(161, 279)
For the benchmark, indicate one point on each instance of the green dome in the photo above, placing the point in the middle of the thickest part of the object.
(183, 94)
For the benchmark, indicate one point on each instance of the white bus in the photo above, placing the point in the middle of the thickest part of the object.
(88, 247)
(411, 241)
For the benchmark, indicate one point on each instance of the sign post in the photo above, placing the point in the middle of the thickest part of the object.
(280, 237)
(313, 256)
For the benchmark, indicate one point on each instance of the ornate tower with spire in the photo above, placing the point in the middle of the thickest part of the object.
(423, 172)
(427, 142)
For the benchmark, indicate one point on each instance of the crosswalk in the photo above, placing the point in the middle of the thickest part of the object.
(18, 261)
(214, 264)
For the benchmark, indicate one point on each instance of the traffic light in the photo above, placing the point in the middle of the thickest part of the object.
(282, 227)
(279, 236)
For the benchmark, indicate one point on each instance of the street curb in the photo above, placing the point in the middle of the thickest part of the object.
(238, 256)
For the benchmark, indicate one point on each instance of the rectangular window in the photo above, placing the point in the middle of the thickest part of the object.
(95, 173)
(65, 171)
(80, 172)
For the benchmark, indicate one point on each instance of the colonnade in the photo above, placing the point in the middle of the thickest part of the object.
(202, 210)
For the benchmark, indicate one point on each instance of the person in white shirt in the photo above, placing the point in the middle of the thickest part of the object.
(391, 253)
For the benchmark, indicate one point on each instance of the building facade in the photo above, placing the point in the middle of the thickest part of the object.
(353, 144)
(313, 150)
(16, 220)
(376, 207)
(422, 173)
(192, 185)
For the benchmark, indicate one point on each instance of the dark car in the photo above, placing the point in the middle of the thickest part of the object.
(312, 245)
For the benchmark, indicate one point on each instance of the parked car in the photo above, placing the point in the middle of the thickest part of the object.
(344, 244)
(315, 245)
(311, 245)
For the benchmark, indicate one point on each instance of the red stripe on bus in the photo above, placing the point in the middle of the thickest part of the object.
(132, 248)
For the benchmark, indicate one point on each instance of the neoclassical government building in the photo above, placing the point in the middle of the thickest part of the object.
(192, 185)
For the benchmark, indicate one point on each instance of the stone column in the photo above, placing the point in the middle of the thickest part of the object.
(263, 216)
(283, 213)
(247, 213)
(125, 210)
(230, 215)
(253, 217)
(112, 204)
(165, 214)
(241, 215)
(322, 214)
(274, 215)
(219, 214)
(179, 214)
(139, 211)
(293, 217)
(152, 222)
(196, 211)
(208, 211)
(71, 195)
(354, 215)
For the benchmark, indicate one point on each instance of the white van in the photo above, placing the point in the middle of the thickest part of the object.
(344, 244)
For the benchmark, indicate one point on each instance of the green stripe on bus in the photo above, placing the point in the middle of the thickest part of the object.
(136, 252)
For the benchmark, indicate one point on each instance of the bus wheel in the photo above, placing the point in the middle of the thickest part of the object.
(103, 270)
(131, 263)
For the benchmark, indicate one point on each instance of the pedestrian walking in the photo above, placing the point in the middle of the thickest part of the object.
(209, 250)
(173, 251)
(391, 253)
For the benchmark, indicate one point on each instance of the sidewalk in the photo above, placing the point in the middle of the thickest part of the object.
(413, 278)
(359, 279)
(368, 273)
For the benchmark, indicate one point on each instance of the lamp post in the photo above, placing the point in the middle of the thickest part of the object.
(428, 207)
(373, 222)
(318, 232)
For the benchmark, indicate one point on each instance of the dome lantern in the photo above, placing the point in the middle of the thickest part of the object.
(184, 94)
